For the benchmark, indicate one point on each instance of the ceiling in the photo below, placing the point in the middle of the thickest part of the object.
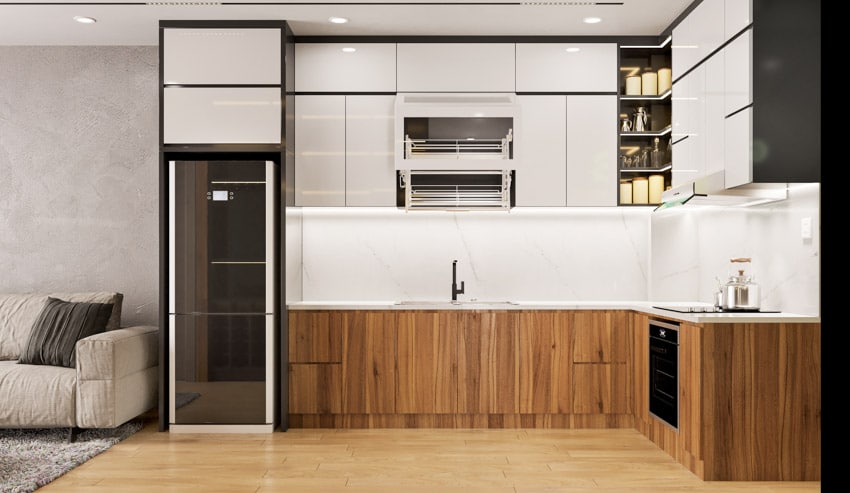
(124, 22)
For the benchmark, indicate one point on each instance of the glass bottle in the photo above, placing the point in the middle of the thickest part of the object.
(655, 154)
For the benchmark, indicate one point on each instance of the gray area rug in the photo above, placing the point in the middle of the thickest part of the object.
(31, 458)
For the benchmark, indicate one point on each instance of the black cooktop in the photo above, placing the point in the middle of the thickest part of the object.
(709, 309)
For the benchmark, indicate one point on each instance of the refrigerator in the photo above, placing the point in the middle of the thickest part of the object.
(223, 313)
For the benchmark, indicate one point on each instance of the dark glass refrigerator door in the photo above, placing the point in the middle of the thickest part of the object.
(220, 369)
(222, 294)
(220, 236)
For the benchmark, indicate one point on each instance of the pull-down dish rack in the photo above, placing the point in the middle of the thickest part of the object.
(456, 190)
(470, 148)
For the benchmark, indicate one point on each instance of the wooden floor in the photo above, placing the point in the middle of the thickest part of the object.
(405, 461)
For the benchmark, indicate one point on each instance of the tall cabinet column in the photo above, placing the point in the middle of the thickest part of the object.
(223, 195)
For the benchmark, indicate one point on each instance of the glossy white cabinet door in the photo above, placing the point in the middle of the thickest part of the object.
(549, 67)
(699, 34)
(319, 150)
(370, 178)
(542, 180)
(714, 114)
(698, 133)
(739, 72)
(738, 15)
(325, 67)
(456, 67)
(739, 148)
(219, 115)
(592, 150)
(221, 56)
(684, 48)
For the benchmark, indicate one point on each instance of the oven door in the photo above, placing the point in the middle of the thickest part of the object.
(664, 372)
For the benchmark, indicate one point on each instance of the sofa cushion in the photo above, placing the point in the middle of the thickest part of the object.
(36, 396)
(19, 311)
(57, 329)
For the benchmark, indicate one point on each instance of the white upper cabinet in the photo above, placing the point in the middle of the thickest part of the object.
(737, 57)
(592, 150)
(349, 67)
(738, 149)
(319, 150)
(542, 180)
(221, 56)
(565, 67)
(738, 14)
(456, 67)
(370, 178)
(221, 115)
(714, 115)
(699, 34)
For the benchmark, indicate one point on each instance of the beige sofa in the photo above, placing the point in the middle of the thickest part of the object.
(115, 378)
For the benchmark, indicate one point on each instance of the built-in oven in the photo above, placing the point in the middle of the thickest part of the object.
(664, 371)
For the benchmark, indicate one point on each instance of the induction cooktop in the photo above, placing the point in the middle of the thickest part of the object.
(709, 309)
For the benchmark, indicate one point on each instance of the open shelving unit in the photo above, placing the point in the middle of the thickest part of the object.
(634, 61)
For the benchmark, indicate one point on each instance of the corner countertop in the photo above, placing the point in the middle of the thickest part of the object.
(646, 307)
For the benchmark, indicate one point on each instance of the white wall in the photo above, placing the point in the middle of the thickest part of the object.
(381, 254)
(692, 245)
(79, 183)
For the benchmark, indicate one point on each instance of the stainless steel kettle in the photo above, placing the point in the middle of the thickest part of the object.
(740, 293)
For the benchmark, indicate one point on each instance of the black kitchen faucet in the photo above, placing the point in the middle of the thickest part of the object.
(455, 290)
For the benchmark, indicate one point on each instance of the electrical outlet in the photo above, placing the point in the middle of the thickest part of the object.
(806, 228)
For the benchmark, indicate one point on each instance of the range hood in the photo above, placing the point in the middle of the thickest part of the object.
(490, 190)
(710, 191)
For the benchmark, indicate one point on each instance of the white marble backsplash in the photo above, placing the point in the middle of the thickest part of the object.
(376, 254)
(572, 254)
(693, 245)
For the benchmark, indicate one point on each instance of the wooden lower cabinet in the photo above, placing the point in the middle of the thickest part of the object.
(427, 378)
(749, 400)
(545, 373)
(458, 368)
(488, 362)
(369, 362)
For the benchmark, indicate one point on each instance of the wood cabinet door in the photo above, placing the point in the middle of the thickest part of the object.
(315, 336)
(426, 382)
(315, 388)
(690, 388)
(545, 376)
(641, 367)
(368, 362)
(601, 388)
(592, 335)
(488, 377)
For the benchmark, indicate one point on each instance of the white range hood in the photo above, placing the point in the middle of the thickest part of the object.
(710, 191)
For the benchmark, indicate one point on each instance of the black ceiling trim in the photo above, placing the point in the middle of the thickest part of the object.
(626, 40)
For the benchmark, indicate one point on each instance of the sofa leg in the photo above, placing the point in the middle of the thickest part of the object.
(72, 434)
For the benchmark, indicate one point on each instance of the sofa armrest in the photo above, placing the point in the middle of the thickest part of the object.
(116, 376)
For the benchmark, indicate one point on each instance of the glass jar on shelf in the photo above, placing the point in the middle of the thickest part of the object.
(655, 154)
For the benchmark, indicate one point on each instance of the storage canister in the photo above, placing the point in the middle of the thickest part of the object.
(649, 83)
(656, 187)
(625, 191)
(640, 190)
(633, 85)
(665, 80)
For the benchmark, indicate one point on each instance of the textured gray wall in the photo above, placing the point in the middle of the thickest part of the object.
(78, 173)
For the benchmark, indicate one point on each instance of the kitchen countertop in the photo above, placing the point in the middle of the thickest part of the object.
(641, 306)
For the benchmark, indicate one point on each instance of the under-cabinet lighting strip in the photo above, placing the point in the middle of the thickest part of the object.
(239, 263)
(662, 45)
(650, 98)
(238, 182)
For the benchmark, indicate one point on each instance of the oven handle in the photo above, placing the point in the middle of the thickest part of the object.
(659, 350)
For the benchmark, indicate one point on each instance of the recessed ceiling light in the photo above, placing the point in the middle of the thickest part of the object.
(572, 49)
(338, 20)
(592, 20)
(84, 20)
(349, 49)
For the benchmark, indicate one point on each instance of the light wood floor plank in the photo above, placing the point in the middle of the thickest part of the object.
(396, 461)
